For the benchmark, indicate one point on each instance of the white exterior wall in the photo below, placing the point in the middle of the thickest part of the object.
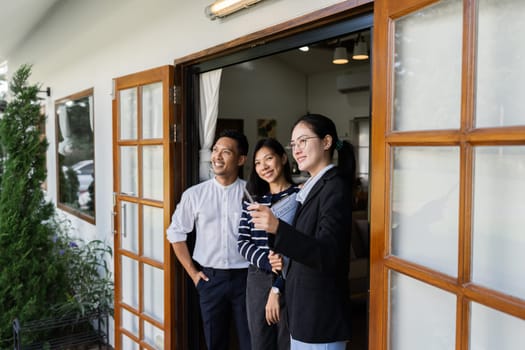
(84, 44)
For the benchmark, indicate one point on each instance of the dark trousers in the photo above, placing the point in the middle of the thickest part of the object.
(223, 297)
(264, 337)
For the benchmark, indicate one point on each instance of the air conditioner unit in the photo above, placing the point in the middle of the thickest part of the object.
(349, 82)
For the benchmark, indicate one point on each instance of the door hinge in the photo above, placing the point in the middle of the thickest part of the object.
(174, 133)
(175, 94)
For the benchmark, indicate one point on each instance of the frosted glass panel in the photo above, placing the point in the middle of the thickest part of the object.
(421, 316)
(152, 111)
(501, 63)
(153, 233)
(129, 170)
(128, 114)
(499, 219)
(130, 282)
(424, 217)
(130, 321)
(128, 343)
(153, 336)
(154, 292)
(427, 68)
(129, 233)
(152, 171)
(491, 329)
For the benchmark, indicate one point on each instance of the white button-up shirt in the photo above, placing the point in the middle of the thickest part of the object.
(215, 211)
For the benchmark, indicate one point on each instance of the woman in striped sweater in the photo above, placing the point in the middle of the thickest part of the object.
(270, 183)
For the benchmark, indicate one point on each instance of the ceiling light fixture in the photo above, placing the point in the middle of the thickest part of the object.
(304, 48)
(223, 8)
(340, 55)
(360, 49)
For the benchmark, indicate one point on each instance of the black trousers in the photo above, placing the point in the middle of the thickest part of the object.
(221, 298)
(264, 337)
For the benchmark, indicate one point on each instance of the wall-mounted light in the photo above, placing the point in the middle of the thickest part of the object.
(340, 55)
(304, 48)
(222, 8)
(360, 49)
(47, 91)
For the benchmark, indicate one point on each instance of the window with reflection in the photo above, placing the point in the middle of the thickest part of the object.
(75, 154)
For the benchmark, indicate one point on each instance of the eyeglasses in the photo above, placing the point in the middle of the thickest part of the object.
(300, 143)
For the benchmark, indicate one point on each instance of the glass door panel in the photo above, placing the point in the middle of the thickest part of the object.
(129, 170)
(421, 316)
(424, 40)
(152, 172)
(499, 218)
(153, 286)
(152, 111)
(128, 343)
(491, 329)
(128, 114)
(153, 336)
(130, 282)
(129, 227)
(424, 210)
(153, 231)
(130, 322)
(500, 64)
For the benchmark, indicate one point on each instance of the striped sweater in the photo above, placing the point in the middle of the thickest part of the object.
(254, 244)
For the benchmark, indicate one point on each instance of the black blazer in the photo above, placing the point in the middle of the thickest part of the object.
(317, 295)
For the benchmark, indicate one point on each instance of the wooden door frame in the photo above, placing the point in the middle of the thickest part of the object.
(187, 68)
(160, 74)
(466, 137)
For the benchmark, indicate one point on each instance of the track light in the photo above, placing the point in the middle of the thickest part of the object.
(223, 8)
(340, 55)
(360, 49)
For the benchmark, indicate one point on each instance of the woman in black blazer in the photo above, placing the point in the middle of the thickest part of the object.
(318, 242)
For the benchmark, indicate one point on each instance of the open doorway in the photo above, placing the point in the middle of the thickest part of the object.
(267, 88)
(268, 94)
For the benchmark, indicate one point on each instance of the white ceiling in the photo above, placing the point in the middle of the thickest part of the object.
(17, 19)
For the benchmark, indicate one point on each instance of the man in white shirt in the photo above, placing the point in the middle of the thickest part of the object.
(213, 208)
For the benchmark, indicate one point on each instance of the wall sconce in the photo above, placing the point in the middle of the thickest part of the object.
(47, 91)
(360, 49)
(223, 8)
(340, 55)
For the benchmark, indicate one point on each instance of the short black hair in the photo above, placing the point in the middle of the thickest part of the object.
(242, 141)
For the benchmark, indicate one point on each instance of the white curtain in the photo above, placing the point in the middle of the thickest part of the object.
(66, 146)
(209, 103)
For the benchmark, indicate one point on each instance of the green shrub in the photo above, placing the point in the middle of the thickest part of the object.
(44, 271)
(29, 276)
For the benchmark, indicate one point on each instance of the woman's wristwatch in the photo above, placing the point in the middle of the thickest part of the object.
(276, 290)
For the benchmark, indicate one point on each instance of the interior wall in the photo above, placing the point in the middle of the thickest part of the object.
(262, 89)
(341, 107)
(268, 89)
